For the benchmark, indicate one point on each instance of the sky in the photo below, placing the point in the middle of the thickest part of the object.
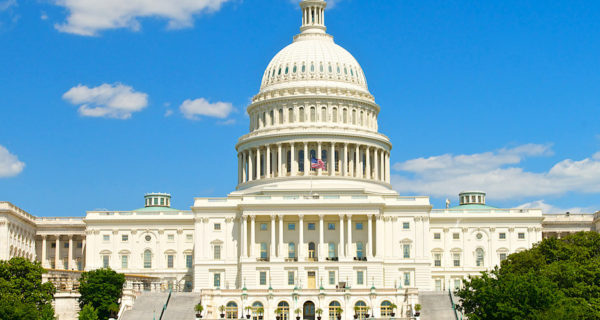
(102, 101)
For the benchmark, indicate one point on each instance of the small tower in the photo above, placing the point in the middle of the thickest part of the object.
(313, 16)
(472, 197)
(157, 199)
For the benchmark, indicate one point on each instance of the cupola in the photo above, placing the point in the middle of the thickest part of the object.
(156, 199)
(471, 197)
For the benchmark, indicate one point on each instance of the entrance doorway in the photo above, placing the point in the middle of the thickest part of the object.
(312, 283)
(308, 310)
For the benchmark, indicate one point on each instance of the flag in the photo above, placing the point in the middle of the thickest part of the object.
(317, 163)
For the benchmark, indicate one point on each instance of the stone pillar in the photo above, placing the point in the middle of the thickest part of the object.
(57, 253)
(321, 237)
(250, 165)
(349, 252)
(83, 253)
(252, 235)
(319, 156)
(244, 161)
(301, 240)
(332, 159)
(387, 167)
(239, 168)
(370, 236)
(368, 164)
(281, 250)
(357, 166)
(306, 161)
(293, 163)
(244, 236)
(341, 245)
(70, 255)
(273, 245)
(382, 166)
(345, 161)
(258, 164)
(44, 261)
(268, 162)
(279, 163)
(376, 165)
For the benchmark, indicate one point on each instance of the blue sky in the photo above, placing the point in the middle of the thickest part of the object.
(101, 103)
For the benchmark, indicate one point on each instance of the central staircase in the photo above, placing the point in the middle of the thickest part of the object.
(436, 305)
(150, 305)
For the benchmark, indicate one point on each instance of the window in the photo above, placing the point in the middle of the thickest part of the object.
(359, 226)
(456, 284)
(189, 262)
(502, 256)
(171, 237)
(189, 238)
(437, 236)
(105, 260)
(147, 259)
(79, 244)
(217, 252)
(331, 277)
(437, 259)
(311, 226)
(360, 277)
(106, 237)
(66, 245)
(291, 278)
(479, 236)
(291, 226)
(217, 226)
(361, 310)
(263, 227)
(386, 309)
(438, 285)
(301, 160)
(331, 226)
(311, 251)
(79, 265)
(331, 250)
(170, 260)
(501, 235)
(405, 225)
(291, 250)
(285, 310)
(407, 279)
(217, 280)
(456, 236)
(124, 261)
(406, 251)
(53, 245)
(231, 311)
(148, 238)
(334, 310)
(360, 250)
(521, 235)
(263, 250)
(479, 257)
(456, 259)
(124, 238)
(262, 278)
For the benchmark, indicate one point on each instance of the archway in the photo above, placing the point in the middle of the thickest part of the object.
(308, 311)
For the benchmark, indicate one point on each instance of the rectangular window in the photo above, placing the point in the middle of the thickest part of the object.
(456, 284)
(359, 226)
(263, 250)
(437, 259)
(124, 238)
(105, 261)
(437, 236)
(332, 250)
(291, 278)
(311, 226)
(456, 236)
(66, 264)
(53, 245)
(331, 277)
(66, 245)
(291, 226)
(406, 251)
(331, 226)
(263, 227)
(407, 279)
(217, 252)
(360, 277)
(521, 235)
(217, 280)
(456, 259)
(217, 226)
(170, 261)
(80, 265)
(501, 235)
(438, 285)
(106, 237)
(360, 250)
(502, 256)
(171, 237)
(263, 278)
(189, 262)
(124, 262)
(405, 225)
(79, 245)
(189, 237)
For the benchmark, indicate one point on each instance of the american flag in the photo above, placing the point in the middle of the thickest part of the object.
(317, 163)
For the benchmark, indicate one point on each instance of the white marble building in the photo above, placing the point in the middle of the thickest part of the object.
(291, 236)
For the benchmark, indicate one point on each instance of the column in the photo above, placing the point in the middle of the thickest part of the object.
(349, 252)
(273, 245)
(381, 166)
(321, 237)
(280, 247)
(332, 159)
(341, 244)
(279, 163)
(345, 160)
(387, 167)
(83, 255)
(357, 166)
(252, 235)
(293, 163)
(376, 165)
(301, 240)
(258, 164)
(44, 262)
(244, 161)
(306, 162)
(250, 164)
(70, 255)
(319, 156)
(368, 164)
(239, 168)
(379, 236)
(370, 236)
(57, 253)
(268, 161)
(244, 236)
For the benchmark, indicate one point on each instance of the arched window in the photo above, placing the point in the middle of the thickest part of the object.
(280, 116)
(354, 116)
(295, 69)
(257, 310)
(323, 114)
(386, 309)
(334, 115)
(360, 119)
(324, 158)
(291, 250)
(284, 308)
(148, 259)
(263, 120)
(272, 116)
(311, 251)
(290, 115)
(337, 161)
(479, 255)
(345, 115)
(313, 114)
(288, 160)
(301, 160)
(334, 310)
(231, 311)
(360, 310)
(262, 165)
(301, 112)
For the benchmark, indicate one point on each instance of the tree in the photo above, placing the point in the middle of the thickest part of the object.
(22, 293)
(102, 289)
(556, 279)
(88, 313)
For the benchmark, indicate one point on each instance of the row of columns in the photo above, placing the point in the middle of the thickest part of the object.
(376, 166)
(57, 260)
(277, 249)
(313, 16)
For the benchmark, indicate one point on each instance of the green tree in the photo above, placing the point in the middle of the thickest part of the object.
(102, 289)
(88, 313)
(23, 296)
(556, 279)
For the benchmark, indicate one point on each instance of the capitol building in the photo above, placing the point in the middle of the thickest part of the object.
(313, 223)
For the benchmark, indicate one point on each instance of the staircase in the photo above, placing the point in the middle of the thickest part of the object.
(147, 306)
(436, 305)
(181, 306)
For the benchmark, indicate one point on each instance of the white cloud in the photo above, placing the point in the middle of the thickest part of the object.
(89, 17)
(497, 173)
(107, 100)
(168, 113)
(5, 5)
(191, 109)
(10, 165)
(548, 208)
(44, 16)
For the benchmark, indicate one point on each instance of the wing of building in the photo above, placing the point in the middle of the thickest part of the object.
(292, 236)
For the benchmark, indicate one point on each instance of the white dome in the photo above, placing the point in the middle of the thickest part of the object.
(314, 60)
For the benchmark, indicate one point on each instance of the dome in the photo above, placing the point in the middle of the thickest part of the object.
(314, 60)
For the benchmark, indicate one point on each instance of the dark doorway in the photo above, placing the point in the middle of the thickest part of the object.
(308, 310)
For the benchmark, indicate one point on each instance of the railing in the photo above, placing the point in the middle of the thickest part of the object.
(165, 306)
(453, 305)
